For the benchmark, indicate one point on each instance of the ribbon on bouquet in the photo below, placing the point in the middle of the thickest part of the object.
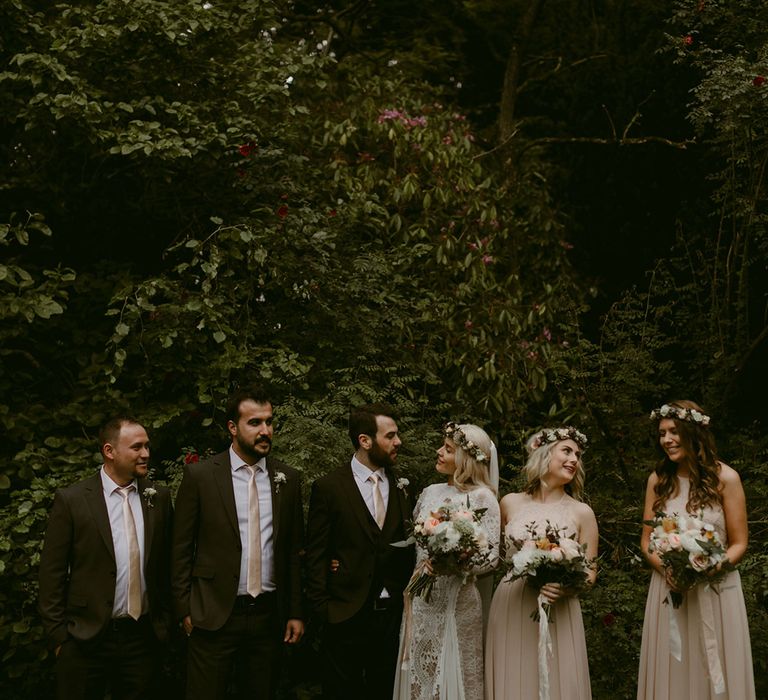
(675, 642)
(710, 641)
(708, 633)
(545, 649)
(450, 679)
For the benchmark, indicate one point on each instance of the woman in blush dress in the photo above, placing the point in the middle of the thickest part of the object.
(441, 647)
(700, 650)
(555, 476)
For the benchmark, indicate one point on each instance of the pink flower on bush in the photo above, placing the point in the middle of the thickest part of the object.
(487, 260)
(688, 40)
(282, 211)
(758, 80)
(191, 458)
(608, 619)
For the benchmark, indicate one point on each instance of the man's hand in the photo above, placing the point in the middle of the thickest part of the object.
(294, 631)
(186, 623)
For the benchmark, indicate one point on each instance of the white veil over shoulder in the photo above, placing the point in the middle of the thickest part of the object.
(493, 468)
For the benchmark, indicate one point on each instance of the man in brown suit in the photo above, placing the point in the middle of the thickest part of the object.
(104, 575)
(355, 577)
(236, 557)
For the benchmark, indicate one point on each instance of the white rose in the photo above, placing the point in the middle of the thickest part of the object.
(571, 548)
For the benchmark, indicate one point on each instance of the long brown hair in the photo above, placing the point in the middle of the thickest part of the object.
(698, 443)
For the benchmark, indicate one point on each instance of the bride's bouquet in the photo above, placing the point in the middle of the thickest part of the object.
(690, 548)
(551, 557)
(455, 541)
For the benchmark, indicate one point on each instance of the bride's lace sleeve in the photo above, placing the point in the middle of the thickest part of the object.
(491, 523)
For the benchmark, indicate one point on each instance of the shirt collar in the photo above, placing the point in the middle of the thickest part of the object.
(362, 472)
(110, 486)
(237, 462)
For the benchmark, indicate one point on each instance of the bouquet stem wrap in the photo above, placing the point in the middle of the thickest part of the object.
(545, 649)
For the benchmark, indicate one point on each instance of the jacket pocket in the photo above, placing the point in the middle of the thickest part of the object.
(203, 572)
(77, 601)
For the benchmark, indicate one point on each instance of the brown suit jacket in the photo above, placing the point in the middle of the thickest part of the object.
(77, 565)
(340, 527)
(206, 542)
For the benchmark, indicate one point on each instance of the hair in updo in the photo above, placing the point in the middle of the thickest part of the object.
(540, 455)
(471, 472)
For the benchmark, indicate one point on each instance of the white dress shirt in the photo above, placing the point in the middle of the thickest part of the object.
(240, 480)
(362, 473)
(114, 501)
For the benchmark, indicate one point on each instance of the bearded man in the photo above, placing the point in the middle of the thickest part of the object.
(237, 540)
(355, 577)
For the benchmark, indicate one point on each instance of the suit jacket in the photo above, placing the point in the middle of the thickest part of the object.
(341, 527)
(207, 547)
(77, 564)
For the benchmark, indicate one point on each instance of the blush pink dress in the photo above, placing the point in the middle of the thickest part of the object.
(511, 654)
(704, 614)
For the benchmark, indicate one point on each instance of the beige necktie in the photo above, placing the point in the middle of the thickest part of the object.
(379, 509)
(134, 556)
(253, 585)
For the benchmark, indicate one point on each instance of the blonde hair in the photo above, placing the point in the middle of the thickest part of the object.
(471, 473)
(538, 465)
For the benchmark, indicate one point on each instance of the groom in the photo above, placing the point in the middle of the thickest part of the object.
(355, 513)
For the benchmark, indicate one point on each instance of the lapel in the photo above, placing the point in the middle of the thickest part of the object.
(94, 497)
(353, 496)
(222, 475)
(146, 513)
(275, 497)
(405, 510)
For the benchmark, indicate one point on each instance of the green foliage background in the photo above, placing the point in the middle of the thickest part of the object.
(517, 213)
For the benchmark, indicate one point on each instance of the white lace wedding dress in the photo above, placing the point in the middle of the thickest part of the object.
(441, 642)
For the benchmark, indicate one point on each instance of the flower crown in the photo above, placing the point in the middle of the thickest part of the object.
(558, 434)
(453, 432)
(688, 414)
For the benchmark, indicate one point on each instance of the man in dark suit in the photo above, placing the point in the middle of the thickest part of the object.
(104, 575)
(355, 577)
(236, 558)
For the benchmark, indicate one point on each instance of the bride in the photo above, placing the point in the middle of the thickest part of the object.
(441, 644)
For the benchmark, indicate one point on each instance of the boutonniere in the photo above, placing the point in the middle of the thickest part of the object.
(402, 484)
(148, 493)
(278, 479)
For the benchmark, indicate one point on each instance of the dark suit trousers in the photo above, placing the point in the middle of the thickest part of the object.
(250, 641)
(361, 654)
(123, 660)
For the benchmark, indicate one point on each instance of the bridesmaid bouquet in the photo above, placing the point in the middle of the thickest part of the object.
(553, 557)
(690, 548)
(455, 541)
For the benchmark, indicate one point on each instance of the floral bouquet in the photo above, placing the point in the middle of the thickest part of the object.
(455, 541)
(690, 549)
(553, 557)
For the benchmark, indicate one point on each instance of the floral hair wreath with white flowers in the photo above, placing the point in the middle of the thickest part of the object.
(453, 432)
(687, 414)
(557, 434)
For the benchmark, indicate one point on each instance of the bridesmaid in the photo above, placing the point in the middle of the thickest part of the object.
(555, 474)
(715, 659)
